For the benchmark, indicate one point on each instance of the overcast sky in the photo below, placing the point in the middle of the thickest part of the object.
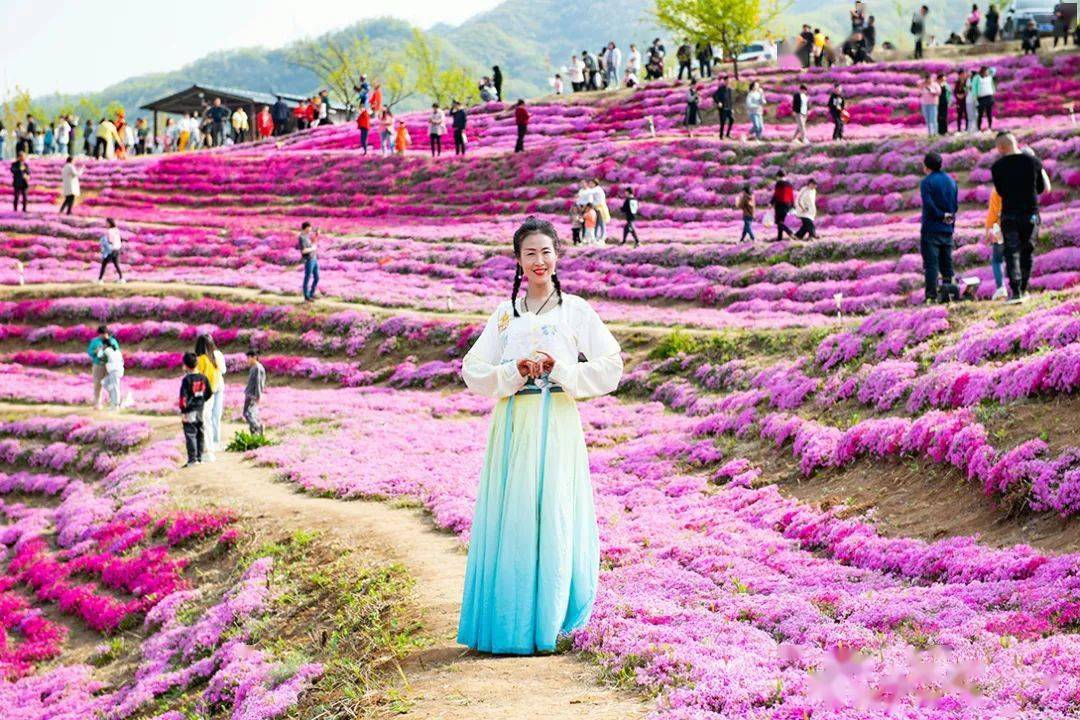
(72, 46)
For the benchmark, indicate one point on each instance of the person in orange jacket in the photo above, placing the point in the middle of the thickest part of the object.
(402, 139)
(376, 99)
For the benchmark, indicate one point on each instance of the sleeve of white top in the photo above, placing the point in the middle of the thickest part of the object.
(600, 373)
(220, 358)
(482, 370)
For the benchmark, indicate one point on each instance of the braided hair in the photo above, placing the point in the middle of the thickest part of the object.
(533, 226)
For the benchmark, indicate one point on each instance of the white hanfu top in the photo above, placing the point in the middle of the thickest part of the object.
(490, 367)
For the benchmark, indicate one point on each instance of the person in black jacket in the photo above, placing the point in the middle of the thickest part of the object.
(194, 393)
(457, 114)
(630, 212)
(497, 80)
(20, 181)
(281, 114)
(725, 106)
(837, 105)
(1019, 179)
(800, 107)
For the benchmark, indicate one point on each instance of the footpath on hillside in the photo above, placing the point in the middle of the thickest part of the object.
(444, 681)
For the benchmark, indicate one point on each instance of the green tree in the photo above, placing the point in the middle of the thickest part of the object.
(16, 105)
(339, 66)
(727, 24)
(113, 108)
(442, 83)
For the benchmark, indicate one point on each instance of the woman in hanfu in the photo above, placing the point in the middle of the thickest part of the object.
(534, 551)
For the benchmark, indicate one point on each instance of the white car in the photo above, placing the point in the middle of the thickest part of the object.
(758, 52)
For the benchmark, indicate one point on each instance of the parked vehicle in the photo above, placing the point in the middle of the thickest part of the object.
(758, 51)
(1020, 12)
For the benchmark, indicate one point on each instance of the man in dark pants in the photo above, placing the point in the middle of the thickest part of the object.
(725, 106)
(20, 180)
(783, 200)
(939, 205)
(1063, 17)
(281, 114)
(218, 116)
(918, 29)
(1019, 179)
(521, 118)
(457, 113)
(630, 212)
(194, 393)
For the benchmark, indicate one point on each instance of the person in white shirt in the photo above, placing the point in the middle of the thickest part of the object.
(63, 136)
(114, 371)
(536, 356)
(614, 60)
(806, 210)
(577, 73)
(69, 175)
(598, 198)
(633, 59)
(631, 79)
(436, 129)
(800, 106)
(557, 84)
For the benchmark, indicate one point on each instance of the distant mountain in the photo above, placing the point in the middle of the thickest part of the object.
(529, 39)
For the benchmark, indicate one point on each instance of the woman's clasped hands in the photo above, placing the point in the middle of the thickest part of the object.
(537, 366)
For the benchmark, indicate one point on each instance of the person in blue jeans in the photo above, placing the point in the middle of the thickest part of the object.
(939, 206)
(306, 243)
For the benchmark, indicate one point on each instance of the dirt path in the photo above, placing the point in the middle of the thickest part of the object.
(445, 682)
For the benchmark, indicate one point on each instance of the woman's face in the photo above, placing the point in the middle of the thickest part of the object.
(537, 258)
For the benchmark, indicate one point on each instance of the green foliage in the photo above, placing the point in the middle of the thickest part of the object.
(436, 78)
(727, 24)
(243, 441)
(678, 342)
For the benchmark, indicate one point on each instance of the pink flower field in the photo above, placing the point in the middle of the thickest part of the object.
(817, 498)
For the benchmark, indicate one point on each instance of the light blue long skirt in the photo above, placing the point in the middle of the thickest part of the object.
(534, 553)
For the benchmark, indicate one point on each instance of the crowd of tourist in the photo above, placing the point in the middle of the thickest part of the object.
(202, 390)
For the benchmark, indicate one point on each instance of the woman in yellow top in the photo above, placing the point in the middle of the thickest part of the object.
(211, 363)
(997, 244)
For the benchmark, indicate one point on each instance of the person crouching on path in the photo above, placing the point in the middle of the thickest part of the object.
(783, 200)
(96, 351)
(939, 206)
(806, 210)
(195, 393)
(306, 244)
(253, 392)
(110, 251)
